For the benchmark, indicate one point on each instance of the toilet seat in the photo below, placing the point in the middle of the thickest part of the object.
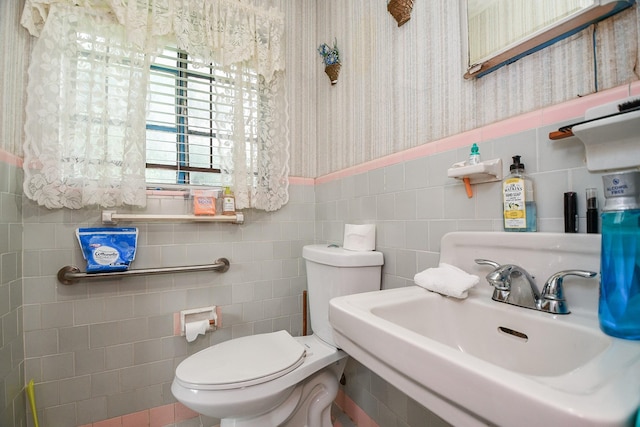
(241, 362)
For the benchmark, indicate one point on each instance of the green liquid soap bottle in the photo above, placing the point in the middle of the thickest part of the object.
(474, 156)
(519, 206)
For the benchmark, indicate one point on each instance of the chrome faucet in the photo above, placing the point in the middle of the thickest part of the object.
(514, 285)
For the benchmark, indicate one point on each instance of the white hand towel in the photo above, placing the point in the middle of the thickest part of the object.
(447, 280)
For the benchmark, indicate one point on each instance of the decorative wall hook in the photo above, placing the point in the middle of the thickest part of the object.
(331, 60)
(400, 10)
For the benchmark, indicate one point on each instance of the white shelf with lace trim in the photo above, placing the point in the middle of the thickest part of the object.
(112, 217)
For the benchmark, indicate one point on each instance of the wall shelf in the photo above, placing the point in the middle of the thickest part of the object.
(611, 142)
(112, 217)
(485, 171)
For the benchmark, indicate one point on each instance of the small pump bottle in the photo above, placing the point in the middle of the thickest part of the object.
(228, 202)
(474, 156)
(519, 206)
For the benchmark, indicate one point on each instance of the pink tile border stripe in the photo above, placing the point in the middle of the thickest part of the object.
(154, 417)
(556, 113)
(10, 159)
(353, 411)
(573, 109)
(177, 412)
(297, 180)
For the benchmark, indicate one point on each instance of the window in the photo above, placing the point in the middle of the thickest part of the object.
(104, 124)
(190, 120)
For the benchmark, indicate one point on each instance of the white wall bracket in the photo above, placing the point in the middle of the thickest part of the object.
(485, 171)
(612, 142)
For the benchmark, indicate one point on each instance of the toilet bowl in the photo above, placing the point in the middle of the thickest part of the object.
(274, 379)
(276, 391)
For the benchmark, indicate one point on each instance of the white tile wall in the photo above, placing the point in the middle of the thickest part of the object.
(83, 344)
(12, 379)
(109, 345)
(413, 204)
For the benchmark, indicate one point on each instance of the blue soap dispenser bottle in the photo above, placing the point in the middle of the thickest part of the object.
(619, 302)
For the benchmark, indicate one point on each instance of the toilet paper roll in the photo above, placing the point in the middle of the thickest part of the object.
(193, 329)
(359, 237)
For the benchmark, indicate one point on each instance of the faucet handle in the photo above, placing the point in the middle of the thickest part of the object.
(500, 283)
(552, 299)
(487, 262)
(553, 289)
(499, 278)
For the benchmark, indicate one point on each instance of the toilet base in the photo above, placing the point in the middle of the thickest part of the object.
(308, 405)
(315, 409)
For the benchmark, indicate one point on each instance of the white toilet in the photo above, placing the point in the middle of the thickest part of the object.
(274, 379)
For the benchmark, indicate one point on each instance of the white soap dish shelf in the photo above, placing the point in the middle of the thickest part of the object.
(612, 142)
(610, 134)
(485, 171)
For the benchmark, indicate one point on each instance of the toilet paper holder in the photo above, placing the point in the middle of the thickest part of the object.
(198, 314)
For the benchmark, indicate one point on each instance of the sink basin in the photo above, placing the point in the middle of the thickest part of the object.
(511, 339)
(477, 361)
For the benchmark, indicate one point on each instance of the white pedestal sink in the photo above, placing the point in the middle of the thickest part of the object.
(477, 361)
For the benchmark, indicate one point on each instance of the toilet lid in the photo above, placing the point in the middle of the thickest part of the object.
(242, 362)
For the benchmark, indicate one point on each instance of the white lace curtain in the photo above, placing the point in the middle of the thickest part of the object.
(85, 128)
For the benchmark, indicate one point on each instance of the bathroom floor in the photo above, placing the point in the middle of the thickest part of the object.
(340, 419)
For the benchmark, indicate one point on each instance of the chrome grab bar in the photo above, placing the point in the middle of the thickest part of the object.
(69, 274)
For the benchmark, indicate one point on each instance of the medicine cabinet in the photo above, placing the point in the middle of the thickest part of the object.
(498, 32)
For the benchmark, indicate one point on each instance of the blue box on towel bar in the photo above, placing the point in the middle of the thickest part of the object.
(109, 248)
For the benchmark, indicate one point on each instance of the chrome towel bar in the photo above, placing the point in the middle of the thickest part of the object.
(69, 274)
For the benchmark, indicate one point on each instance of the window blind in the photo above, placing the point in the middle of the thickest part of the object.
(190, 119)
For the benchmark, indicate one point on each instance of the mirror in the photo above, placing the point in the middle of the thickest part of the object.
(498, 32)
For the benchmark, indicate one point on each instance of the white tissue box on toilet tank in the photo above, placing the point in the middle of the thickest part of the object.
(359, 237)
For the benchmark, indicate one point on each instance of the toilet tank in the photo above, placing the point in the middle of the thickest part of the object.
(333, 271)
